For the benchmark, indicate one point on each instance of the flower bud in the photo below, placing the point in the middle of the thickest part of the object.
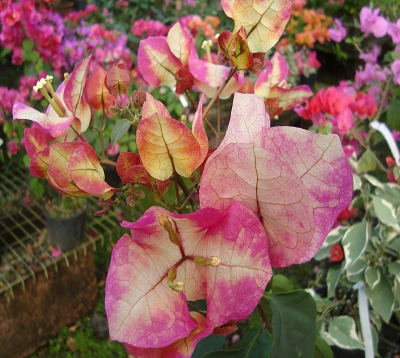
(164, 221)
(213, 261)
(174, 286)
(199, 261)
(138, 97)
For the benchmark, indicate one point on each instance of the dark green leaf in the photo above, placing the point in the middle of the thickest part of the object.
(256, 343)
(322, 349)
(208, 344)
(119, 130)
(293, 323)
(392, 114)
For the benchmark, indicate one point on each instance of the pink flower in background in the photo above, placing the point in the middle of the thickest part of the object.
(375, 92)
(313, 60)
(144, 27)
(113, 149)
(334, 101)
(349, 150)
(17, 56)
(370, 74)
(13, 147)
(363, 105)
(12, 14)
(338, 32)
(56, 252)
(395, 67)
(371, 56)
(396, 135)
(394, 31)
(372, 23)
(345, 121)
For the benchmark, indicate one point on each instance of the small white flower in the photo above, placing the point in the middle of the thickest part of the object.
(206, 44)
(39, 85)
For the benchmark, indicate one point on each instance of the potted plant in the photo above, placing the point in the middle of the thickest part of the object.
(65, 221)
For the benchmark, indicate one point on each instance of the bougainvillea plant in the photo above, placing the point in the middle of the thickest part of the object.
(268, 196)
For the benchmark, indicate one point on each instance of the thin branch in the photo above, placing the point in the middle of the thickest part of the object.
(195, 308)
(190, 98)
(220, 89)
(108, 162)
(264, 318)
(188, 194)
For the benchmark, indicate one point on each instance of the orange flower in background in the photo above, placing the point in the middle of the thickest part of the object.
(307, 26)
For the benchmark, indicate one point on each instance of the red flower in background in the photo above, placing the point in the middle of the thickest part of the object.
(346, 214)
(336, 253)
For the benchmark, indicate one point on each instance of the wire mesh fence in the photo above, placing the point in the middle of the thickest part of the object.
(24, 246)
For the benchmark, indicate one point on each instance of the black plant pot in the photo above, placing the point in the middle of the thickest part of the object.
(111, 176)
(347, 353)
(65, 233)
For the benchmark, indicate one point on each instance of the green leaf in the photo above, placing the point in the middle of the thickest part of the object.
(27, 45)
(395, 244)
(396, 289)
(119, 130)
(281, 284)
(392, 114)
(293, 323)
(26, 161)
(385, 211)
(374, 181)
(342, 332)
(381, 298)
(333, 277)
(367, 162)
(322, 349)
(39, 66)
(208, 344)
(372, 276)
(356, 182)
(389, 192)
(261, 347)
(356, 271)
(257, 345)
(8, 129)
(354, 242)
(394, 268)
(37, 187)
